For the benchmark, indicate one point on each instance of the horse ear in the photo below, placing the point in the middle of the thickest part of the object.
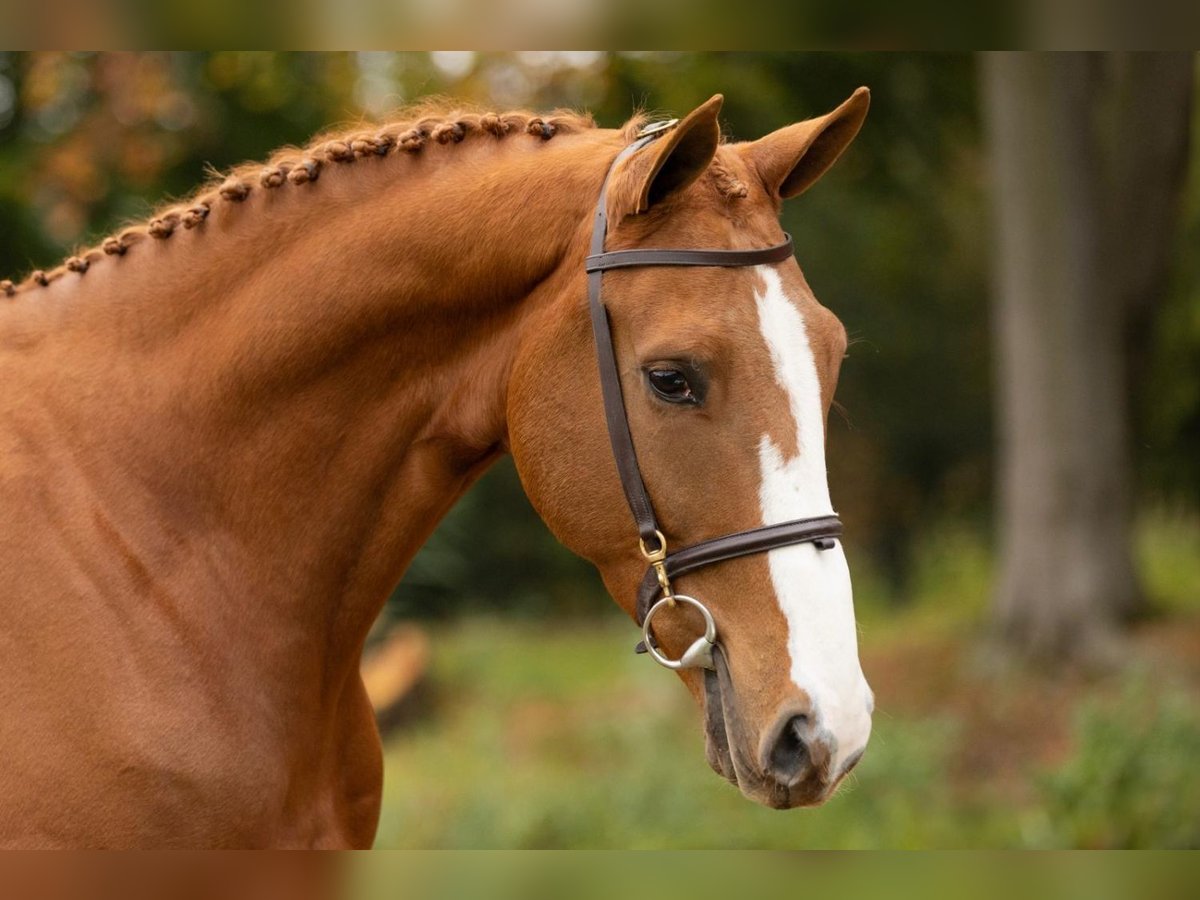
(670, 163)
(789, 161)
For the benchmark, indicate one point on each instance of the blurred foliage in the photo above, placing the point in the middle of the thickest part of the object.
(1167, 543)
(1169, 399)
(894, 239)
(1132, 781)
(701, 875)
(498, 23)
(562, 737)
(557, 736)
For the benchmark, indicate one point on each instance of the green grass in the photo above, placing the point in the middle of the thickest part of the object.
(561, 737)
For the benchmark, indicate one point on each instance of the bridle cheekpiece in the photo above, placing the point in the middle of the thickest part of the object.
(820, 531)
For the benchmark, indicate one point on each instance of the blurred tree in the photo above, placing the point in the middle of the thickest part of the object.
(1088, 156)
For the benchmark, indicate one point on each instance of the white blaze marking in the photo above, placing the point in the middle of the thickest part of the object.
(811, 585)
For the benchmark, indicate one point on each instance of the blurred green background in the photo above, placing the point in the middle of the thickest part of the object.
(535, 726)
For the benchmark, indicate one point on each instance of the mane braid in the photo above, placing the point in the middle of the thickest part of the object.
(435, 121)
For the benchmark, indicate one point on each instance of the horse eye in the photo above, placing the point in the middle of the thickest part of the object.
(671, 385)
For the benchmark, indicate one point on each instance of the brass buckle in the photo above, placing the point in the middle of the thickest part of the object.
(658, 559)
(657, 128)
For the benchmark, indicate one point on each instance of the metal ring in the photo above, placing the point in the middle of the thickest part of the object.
(697, 655)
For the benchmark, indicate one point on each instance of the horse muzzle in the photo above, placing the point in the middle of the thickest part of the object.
(793, 763)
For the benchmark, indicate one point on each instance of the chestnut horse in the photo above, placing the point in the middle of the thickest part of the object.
(225, 433)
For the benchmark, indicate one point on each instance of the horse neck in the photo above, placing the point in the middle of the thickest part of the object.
(278, 407)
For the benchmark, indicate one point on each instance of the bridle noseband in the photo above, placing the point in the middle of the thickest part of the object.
(821, 531)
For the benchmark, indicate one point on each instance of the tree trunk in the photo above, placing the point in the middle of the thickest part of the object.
(1067, 212)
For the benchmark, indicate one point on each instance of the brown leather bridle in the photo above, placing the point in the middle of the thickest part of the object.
(821, 531)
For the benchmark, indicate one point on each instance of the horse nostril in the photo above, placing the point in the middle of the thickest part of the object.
(790, 756)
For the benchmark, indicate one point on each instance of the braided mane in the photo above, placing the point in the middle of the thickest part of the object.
(414, 127)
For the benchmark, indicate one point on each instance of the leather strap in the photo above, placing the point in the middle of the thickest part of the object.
(610, 377)
(821, 531)
(627, 259)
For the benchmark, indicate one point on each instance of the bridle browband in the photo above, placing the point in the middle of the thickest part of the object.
(821, 531)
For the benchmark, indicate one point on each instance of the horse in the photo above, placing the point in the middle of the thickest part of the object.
(227, 430)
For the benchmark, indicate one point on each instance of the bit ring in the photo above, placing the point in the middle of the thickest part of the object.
(699, 654)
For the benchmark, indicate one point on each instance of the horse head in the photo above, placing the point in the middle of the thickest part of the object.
(727, 374)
